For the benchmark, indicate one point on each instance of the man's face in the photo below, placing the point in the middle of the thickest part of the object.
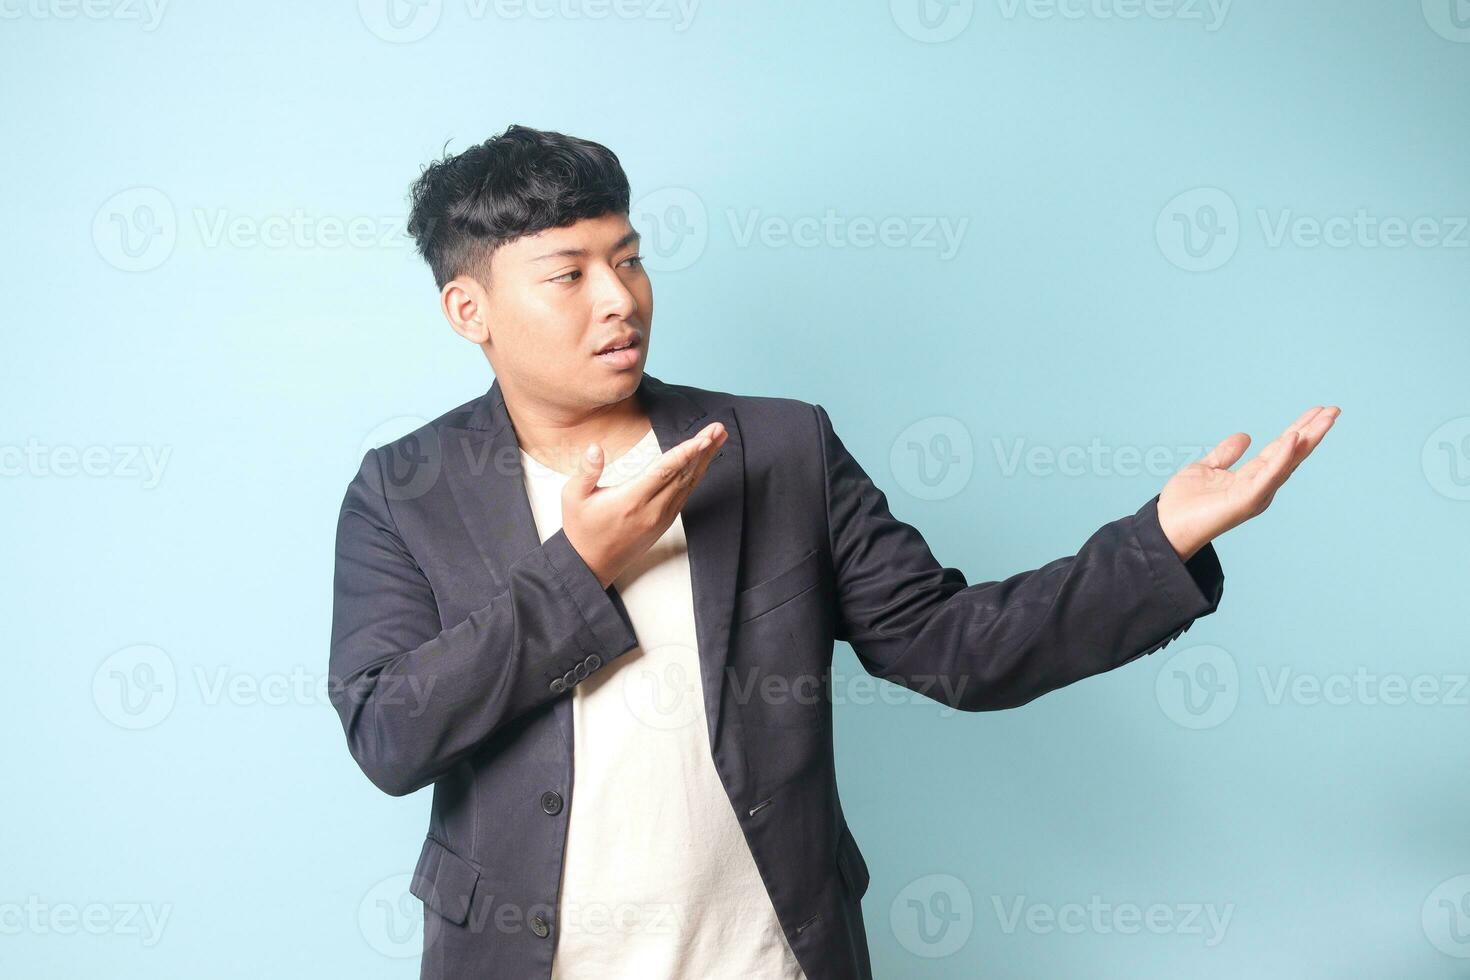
(559, 297)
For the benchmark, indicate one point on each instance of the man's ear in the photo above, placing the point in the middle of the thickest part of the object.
(467, 308)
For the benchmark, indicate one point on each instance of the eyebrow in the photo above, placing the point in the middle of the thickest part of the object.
(581, 253)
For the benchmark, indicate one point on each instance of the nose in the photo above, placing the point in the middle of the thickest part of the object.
(614, 299)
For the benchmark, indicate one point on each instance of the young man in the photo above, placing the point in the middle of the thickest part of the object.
(589, 578)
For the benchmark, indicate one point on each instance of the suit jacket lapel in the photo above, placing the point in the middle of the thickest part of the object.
(713, 523)
(482, 466)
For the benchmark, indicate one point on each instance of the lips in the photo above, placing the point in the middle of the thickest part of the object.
(620, 343)
(621, 354)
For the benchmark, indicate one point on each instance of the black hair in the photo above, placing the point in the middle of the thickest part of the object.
(521, 182)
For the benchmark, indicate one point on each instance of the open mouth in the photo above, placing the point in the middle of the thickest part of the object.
(622, 348)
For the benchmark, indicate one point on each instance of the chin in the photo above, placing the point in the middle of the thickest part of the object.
(632, 380)
(622, 386)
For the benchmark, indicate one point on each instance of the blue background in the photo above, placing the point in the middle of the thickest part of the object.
(1102, 293)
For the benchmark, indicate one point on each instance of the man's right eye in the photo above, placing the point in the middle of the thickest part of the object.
(564, 275)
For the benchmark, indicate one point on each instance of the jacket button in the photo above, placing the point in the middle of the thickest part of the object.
(593, 661)
(539, 926)
(558, 685)
(569, 678)
(581, 671)
(551, 802)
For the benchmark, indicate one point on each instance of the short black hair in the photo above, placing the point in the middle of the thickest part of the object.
(521, 182)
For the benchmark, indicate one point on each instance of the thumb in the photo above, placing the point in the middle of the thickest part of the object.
(589, 468)
(1229, 449)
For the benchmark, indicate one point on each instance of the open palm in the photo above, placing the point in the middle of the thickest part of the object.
(1205, 499)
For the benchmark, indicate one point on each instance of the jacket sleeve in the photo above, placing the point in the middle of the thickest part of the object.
(1001, 644)
(415, 698)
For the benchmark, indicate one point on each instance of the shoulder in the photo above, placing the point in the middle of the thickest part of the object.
(402, 458)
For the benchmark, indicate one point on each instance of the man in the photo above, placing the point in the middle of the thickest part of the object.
(590, 578)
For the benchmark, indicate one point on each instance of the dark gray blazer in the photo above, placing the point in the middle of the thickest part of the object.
(457, 636)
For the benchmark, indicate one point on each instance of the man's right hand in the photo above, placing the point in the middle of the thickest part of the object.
(612, 526)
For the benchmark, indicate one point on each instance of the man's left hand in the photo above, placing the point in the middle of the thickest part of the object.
(1206, 499)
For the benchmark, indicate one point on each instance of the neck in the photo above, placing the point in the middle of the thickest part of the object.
(557, 435)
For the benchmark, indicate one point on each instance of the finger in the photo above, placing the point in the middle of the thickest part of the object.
(589, 469)
(677, 491)
(1273, 471)
(1272, 448)
(1306, 417)
(1313, 434)
(676, 494)
(672, 464)
(1229, 449)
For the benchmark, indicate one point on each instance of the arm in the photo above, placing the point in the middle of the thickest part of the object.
(414, 698)
(1001, 644)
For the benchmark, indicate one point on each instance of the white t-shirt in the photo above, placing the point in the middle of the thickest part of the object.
(658, 880)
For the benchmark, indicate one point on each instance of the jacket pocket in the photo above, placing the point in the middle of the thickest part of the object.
(444, 881)
(851, 864)
(788, 584)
